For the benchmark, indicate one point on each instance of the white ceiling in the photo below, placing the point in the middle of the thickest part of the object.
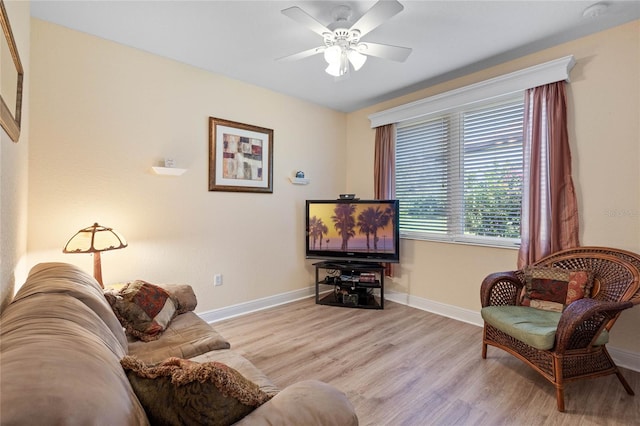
(242, 39)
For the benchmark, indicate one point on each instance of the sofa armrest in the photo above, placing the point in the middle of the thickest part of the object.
(183, 295)
(501, 288)
(308, 402)
(583, 320)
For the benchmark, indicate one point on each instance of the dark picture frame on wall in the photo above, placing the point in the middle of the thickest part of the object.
(240, 157)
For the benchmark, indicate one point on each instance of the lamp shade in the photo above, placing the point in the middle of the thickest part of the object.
(333, 69)
(95, 238)
(356, 58)
(332, 54)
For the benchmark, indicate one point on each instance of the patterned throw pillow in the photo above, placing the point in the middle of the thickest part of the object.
(145, 310)
(183, 392)
(553, 289)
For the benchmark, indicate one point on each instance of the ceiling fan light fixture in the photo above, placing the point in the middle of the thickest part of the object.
(356, 58)
(332, 54)
(336, 57)
(333, 69)
(342, 47)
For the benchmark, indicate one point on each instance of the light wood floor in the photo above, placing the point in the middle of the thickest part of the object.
(404, 366)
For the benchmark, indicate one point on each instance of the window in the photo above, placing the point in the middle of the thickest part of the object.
(459, 174)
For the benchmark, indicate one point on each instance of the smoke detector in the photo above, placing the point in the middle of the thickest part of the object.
(595, 10)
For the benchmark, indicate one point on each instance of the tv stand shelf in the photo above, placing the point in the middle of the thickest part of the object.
(350, 285)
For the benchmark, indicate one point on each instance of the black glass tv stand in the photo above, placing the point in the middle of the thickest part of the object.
(350, 285)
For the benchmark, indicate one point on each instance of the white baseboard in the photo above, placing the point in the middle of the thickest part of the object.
(626, 359)
(256, 305)
(449, 311)
(622, 358)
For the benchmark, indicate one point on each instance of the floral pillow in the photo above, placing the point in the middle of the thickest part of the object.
(145, 310)
(183, 392)
(553, 289)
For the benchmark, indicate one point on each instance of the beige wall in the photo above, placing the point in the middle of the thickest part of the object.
(14, 170)
(103, 114)
(604, 132)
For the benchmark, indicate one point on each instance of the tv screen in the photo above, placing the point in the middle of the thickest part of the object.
(353, 230)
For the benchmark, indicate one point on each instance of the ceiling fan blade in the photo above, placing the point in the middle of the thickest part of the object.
(303, 54)
(375, 16)
(384, 51)
(305, 19)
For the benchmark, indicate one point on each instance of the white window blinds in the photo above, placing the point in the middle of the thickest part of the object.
(459, 174)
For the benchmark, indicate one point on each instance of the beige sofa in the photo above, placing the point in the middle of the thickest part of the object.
(61, 347)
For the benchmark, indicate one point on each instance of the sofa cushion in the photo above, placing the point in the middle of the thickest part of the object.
(67, 279)
(60, 365)
(145, 310)
(309, 402)
(236, 361)
(183, 392)
(535, 327)
(182, 295)
(553, 289)
(187, 336)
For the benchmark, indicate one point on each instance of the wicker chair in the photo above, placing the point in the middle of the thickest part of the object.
(574, 354)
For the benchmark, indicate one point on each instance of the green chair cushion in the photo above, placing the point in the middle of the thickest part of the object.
(535, 327)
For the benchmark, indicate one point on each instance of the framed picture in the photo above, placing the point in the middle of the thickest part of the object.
(11, 81)
(240, 157)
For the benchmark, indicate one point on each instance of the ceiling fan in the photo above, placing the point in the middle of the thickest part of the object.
(343, 43)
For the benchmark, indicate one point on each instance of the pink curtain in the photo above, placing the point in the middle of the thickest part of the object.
(384, 169)
(549, 220)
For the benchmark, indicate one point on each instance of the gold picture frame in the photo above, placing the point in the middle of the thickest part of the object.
(11, 77)
(240, 157)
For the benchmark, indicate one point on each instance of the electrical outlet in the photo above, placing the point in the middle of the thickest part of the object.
(217, 279)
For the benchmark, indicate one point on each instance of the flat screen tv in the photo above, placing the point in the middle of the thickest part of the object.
(352, 230)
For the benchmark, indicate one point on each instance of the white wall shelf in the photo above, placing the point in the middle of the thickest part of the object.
(299, 181)
(168, 171)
